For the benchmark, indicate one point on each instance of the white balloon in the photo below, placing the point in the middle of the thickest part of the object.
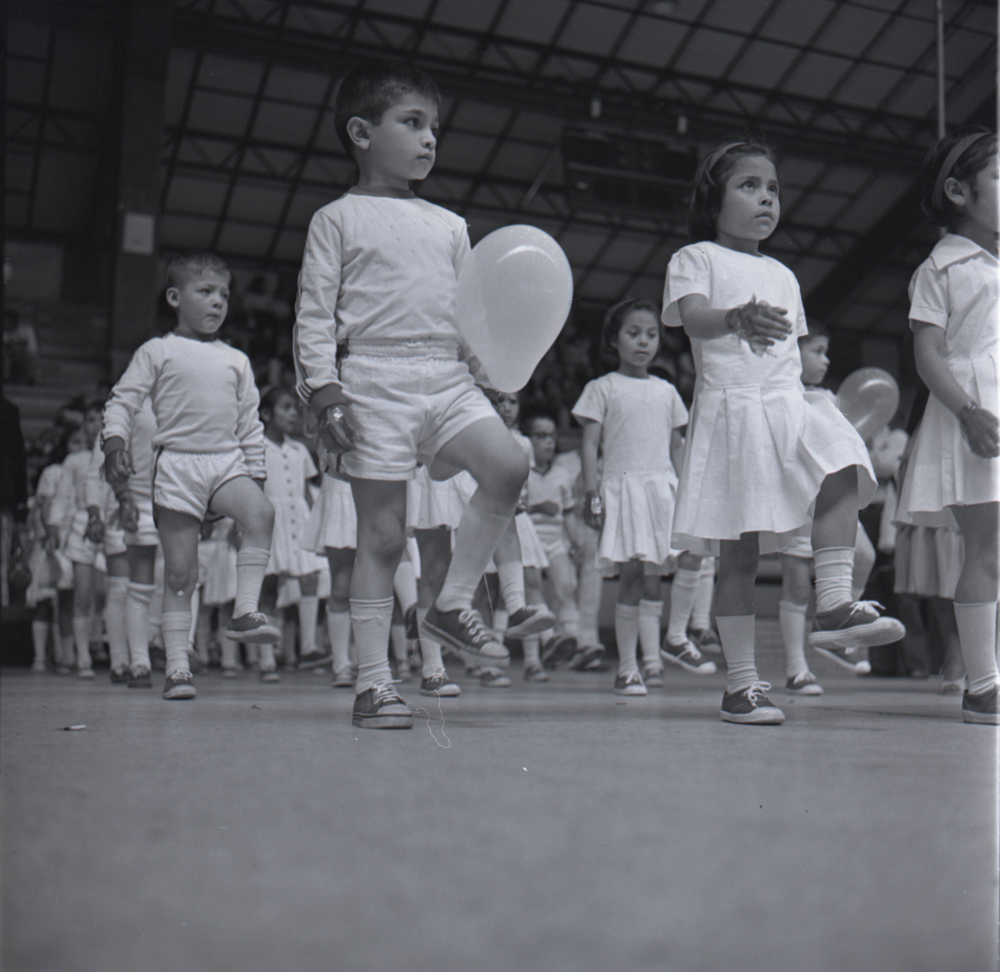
(514, 294)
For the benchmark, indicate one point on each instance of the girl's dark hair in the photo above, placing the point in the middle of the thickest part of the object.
(614, 321)
(367, 90)
(528, 423)
(271, 395)
(710, 182)
(976, 155)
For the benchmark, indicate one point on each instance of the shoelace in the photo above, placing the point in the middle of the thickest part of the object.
(384, 693)
(757, 692)
(438, 675)
(859, 606)
(259, 616)
(473, 622)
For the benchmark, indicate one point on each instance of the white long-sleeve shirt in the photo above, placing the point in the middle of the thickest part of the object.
(203, 394)
(375, 268)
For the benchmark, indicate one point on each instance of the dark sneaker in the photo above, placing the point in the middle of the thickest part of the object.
(652, 675)
(803, 684)
(589, 658)
(315, 659)
(842, 656)
(530, 620)
(558, 649)
(630, 684)
(410, 622)
(119, 676)
(853, 625)
(493, 678)
(139, 678)
(751, 706)
(707, 640)
(381, 707)
(466, 632)
(440, 684)
(269, 676)
(535, 673)
(253, 628)
(982, 709)
(687, 657)
(179, 686)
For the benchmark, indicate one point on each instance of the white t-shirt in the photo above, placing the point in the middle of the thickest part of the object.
(730, 278)
(637, 416)
(375, 268)
(556, 485)
(203, 396)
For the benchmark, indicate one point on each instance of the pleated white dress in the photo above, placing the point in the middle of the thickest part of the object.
(955, 288)
(758, 449)
(639, 483)
(532, 551)
(333, 520)
(289, 466)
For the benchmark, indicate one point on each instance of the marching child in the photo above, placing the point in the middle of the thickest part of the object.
(760, 459)
(378, 278)
(209, 446)
(954, 466)
(637, 418)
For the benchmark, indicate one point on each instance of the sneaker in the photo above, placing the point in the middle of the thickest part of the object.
(120, 675)
(494, 678)
(440, 684)
(228, 672)
(535, 673)
(342, 680)
(953, 686)
(630, 684)
(179, 686)
(411, 625)
(465, 631)
(315, 659)
(583, 655)
(381, 707)
(652, 675)
(855, 624)
(803, 684)
(982, 709)
(530, 620)
(269, 676)
(38, 667)
(707, 640)
(85, 673)
(751, 706)
(558, 649)
(253, 628)
(842, 657)
(687, 656)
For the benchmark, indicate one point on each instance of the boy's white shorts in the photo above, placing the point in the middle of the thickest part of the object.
(83, 551)
(405, 404)
(185, 482)
(554, 540)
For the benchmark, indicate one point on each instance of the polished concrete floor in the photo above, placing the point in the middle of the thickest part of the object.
(552, 827)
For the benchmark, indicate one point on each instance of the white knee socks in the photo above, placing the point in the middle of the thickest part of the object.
(176, 626)
(737, 635)
(371, 621)
(792, 618)
(683, 590)
(511, 577)
(650, 613)
(834, 577)
(977, 634)
(308, 612)
(475, 540)
(251, 563)
(626, 636)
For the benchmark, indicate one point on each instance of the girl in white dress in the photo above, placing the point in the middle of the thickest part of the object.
(637, 418)
(760, 459)
(289, 468)
(954, 470)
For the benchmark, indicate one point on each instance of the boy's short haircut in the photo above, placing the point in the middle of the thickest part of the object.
(193, 264)
(816, 329)
(976, 147)
(528, 424)
(368, 89)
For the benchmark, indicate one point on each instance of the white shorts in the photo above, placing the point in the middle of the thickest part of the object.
(83, 551)
(185, 482)
(406, 399)
(554, 540)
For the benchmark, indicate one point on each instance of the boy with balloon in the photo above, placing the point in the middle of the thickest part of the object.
(379, 360)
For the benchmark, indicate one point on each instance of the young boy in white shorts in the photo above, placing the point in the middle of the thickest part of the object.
(209, 454)
(378, 280)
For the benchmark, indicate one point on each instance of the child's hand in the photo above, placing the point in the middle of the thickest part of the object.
(128, 514)
(95, 528)
(980, 428)
(593, 510)
(759, 324)
(337, 429)
(118, 467)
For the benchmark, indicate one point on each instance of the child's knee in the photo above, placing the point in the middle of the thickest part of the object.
(180, 578)
(509, 475)
(383, 534)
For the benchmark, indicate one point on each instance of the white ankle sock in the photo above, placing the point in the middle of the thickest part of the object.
(737, 635)
(265, 658)
(532, 651)
(977, 634)
(511, 577)
(476, 538)
(176, 626)
(251, 563)
(701, 606)
(338, 629)
(308, 610)
(627, 636)
(650, 613)
(370, 621)
(792, 618)
(683, 590)
(834, 570)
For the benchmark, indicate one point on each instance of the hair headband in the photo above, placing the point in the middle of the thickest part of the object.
(713, 159)
(958, 150)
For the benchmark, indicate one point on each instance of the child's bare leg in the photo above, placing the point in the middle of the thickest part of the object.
(141, 568)
(114, 614)
(83, 603)
(976, 594)
(650, 618)
(381, 506)
(338, 612)
(435, 558)
(734, 608)
(796, 587)
(589, 585)
(308, 612)
(952, 666)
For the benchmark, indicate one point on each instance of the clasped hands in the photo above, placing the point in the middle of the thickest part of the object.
(759, 324)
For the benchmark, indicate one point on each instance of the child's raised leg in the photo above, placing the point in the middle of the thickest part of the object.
(522, 618)
(745, 700)
(244, 501)
(179, 537)
(628, 681)
(976, 610)
(487, 450)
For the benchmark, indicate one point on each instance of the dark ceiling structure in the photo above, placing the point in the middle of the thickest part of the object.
(582, 118)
